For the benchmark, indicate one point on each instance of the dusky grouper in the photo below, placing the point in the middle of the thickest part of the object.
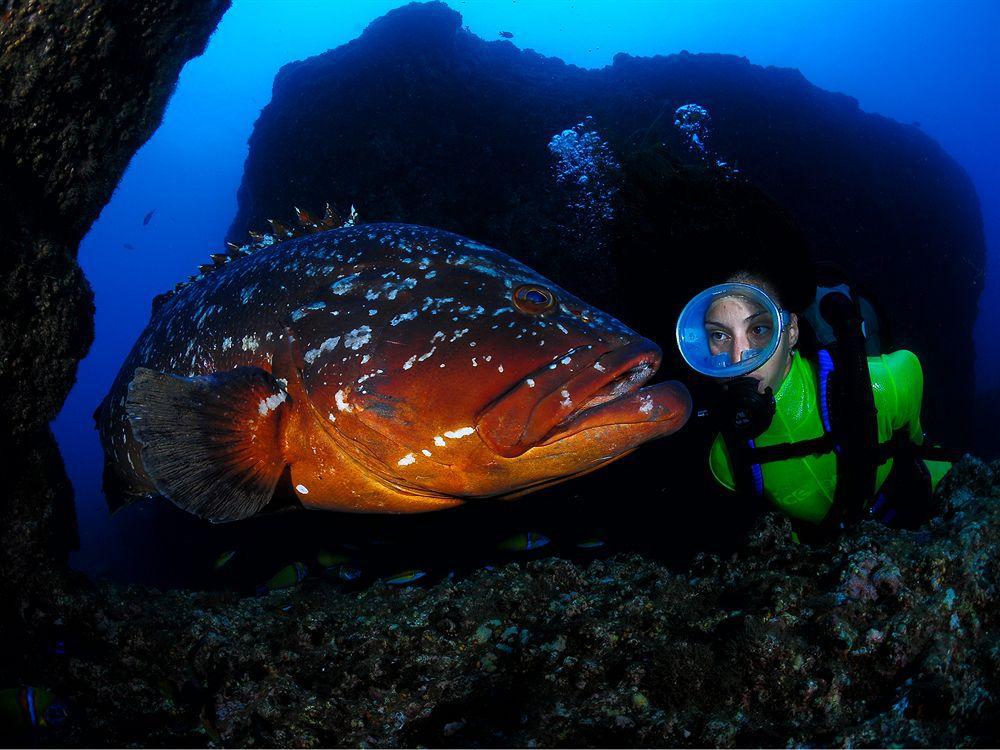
(382, 368)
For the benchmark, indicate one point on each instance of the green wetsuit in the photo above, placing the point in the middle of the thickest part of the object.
(804, 487)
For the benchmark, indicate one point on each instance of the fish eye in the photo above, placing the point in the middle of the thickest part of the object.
(531, 298)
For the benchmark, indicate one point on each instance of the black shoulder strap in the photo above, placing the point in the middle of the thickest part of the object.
(850, 420)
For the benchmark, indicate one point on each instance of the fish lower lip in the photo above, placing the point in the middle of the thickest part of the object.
(628, 369)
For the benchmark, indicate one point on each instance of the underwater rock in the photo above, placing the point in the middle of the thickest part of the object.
(882, 637)
(465, 146)
(83, 85)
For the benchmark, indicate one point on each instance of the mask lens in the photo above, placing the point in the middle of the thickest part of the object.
(729, 322)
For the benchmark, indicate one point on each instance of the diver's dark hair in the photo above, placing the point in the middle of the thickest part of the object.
(759, 280)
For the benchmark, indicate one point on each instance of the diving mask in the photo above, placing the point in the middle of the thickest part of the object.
(707, 336)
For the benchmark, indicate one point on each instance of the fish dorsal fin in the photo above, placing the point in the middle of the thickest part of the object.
(210, 444)
(305, 223)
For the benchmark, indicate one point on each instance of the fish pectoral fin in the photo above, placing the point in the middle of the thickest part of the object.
(211, 444)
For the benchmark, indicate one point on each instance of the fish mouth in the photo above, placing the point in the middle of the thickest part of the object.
(603, 389)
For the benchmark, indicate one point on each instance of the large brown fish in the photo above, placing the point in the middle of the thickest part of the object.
(382, 368)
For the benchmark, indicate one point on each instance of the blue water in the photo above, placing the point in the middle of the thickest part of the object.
(931, 62)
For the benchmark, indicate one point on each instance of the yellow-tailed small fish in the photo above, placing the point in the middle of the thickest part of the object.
(29, 708)
(329, 560)
(223, 560)
(524, 542)
(288, 576)
(405, 577)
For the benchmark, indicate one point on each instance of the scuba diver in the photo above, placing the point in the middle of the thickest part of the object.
(827, 440)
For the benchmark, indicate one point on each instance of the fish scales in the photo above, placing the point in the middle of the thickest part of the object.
(378, 367)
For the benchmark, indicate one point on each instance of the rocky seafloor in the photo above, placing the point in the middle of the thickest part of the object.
(882, 637)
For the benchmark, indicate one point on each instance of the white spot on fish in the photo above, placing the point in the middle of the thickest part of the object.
(358, 337)
(566, 400)
(500, 368)
(426, 452)
(342, 402)
(566, 360)
(227, 343)
(344, 285)
(302, 489)
(250, 343)
(303, 311)
(530, 382)
(311, 355)
(402, 317)
(599, 367)
(459, 433)
(646, 405)
(406, 460)
(439, 441)
(409, 363)
(270, 403)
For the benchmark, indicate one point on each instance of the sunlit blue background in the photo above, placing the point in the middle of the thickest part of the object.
(935, 63)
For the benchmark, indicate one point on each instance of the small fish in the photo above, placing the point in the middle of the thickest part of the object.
(288, 576)
(223, 560)
(524, 542)
(405, 577)
(148, 217)
(29, 708)
(387, 368)
(348, 573)
(128, 246)
(506, 35)
(590, 543)
(329, 560)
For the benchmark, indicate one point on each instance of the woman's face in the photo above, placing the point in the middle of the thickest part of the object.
(736, 324)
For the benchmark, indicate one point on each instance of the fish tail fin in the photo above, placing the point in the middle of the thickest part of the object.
(210, 444)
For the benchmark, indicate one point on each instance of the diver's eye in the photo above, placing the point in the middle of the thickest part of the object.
(717, 336)
(531, 298)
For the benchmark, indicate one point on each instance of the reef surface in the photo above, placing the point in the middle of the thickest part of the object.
(882, 637)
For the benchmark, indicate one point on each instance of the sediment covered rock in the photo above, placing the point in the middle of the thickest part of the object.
(880, 638)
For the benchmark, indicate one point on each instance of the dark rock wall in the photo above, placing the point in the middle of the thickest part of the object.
(82, 85)
(420, 121)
